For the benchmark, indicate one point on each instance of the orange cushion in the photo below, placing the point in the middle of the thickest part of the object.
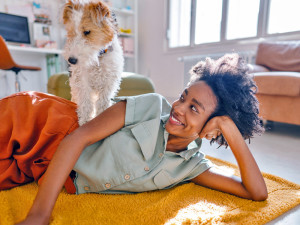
(282, 56)
(278, 83)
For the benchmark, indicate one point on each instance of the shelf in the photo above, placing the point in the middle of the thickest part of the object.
(123, 11)
(126, 35)
(34, 49)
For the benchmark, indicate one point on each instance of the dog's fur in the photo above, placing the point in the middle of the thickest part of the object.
(95, 56)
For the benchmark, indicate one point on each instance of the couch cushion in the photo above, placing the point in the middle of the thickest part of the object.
(58, 85)
(135, 84)
(282, 56)
(278, 83)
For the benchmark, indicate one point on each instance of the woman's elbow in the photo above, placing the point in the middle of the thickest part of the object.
(260, 195)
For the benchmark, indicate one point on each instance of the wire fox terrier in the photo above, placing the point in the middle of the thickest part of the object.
(94, 55)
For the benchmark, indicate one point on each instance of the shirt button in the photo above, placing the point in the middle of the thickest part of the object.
(107, 185)
(161, 155)
(127, 177)
(146, 168)
(86, 188)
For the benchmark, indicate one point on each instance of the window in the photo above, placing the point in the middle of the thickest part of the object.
(196, 22)
(242, 18)
(284, 16)
(180, 20)
(208, 21)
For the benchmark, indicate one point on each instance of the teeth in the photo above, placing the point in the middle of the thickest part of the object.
(173, 118)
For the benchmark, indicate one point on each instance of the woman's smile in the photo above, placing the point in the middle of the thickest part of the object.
(174, 120)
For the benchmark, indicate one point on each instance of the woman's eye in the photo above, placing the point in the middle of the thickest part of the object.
(181, 98)
(194, 108)
(86, 32)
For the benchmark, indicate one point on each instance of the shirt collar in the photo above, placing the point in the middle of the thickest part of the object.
(193, 148)
(164, 119)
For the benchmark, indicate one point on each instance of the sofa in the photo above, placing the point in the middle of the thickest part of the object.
(131, 84)
(277, 74)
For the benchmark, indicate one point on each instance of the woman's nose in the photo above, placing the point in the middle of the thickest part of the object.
(179, 109)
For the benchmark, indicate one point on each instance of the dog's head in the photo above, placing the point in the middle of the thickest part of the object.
(90, 27)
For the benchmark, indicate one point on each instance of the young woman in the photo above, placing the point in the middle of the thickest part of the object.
(142, 143)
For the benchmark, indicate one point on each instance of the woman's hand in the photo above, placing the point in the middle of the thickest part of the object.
(34, 220)
(212, 128)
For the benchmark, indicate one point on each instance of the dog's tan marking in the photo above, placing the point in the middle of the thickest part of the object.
(97, 19)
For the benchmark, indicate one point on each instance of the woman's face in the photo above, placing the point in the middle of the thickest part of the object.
(190, 112)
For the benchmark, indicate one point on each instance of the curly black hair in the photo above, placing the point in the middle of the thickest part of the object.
(235, 90)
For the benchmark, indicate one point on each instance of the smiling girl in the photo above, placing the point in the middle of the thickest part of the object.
(142, 143)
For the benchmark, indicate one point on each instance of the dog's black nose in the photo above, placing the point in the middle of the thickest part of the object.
(72, 60)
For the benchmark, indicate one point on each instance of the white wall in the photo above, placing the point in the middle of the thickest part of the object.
(163, 68)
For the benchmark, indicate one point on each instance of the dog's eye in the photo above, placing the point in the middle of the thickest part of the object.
(86, 32)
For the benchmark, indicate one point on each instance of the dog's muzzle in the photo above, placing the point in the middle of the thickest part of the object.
(72, 60)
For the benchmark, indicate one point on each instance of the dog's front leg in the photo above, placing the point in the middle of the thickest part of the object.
(81, 95)
(103, 101)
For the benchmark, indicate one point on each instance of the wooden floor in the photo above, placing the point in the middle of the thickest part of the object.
(277, 152)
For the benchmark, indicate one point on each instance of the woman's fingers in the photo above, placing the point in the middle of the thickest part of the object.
(211, 129)
(211, 135)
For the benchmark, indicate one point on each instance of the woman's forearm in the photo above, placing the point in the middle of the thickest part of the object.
(251, 176)
(59, 169)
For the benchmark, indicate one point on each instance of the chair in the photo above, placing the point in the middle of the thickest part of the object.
(7, 63)
(277, 75)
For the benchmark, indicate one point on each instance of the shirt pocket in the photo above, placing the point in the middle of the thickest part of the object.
(145, 134)
(163, 179)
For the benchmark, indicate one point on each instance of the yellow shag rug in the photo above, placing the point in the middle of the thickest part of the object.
(184, 204)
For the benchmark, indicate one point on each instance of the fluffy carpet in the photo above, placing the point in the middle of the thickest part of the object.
(184, 204)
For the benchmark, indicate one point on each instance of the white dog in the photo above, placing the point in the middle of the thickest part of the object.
(95, 56)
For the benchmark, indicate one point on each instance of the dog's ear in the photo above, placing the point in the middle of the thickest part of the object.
(99, 11)
(68, 9)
